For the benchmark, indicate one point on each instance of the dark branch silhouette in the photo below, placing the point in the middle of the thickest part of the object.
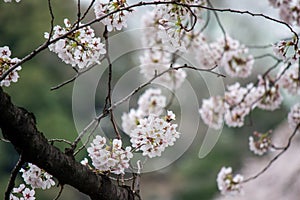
(19, 127)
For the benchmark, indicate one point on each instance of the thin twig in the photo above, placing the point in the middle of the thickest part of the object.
(65, 82)
(83, 132)
(87, 10)
(283, 72)
(59, 140)
(78, 13)
(97, 122)
(194, 21)
(267, 55)
(52, 19)
(206, 22)
(271, 68)
(13, 175)
(275, 158)
(108, 100)
(78, 73)
(219, 23)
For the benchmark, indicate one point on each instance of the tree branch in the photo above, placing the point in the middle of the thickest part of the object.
(19, 126)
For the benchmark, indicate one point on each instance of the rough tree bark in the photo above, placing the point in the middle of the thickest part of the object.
(19, 127)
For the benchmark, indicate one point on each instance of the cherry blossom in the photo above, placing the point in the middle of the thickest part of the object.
(212, 111)
(151, 101)
(232, 55)
(271, 97)
(154, 62)
(294, 116)
(107, 158)
(19, 189)
(114, 21)
(207, 54)
(28, 194)
(22, 193)
(277, 3)
(229, 184)
(84, 162)
(13, 197)
(172, 23)
(36, 177)
(233, 107)
(238, 102)
(289, 10)
(279, 49)
(153, 135)
(235, 116)
(260, 143)
(235, 94)
(170, 116)
(235, 58)
(131, 120)
(287, 50)
(5, 64)
(290, 80)
(79, 48)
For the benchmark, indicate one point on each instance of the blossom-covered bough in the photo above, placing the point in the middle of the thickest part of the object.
(177, 27)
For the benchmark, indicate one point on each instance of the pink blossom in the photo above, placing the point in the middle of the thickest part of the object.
(229, 184)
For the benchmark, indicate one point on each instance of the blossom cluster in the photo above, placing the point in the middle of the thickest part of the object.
(78, 48)
(148, 132)
(113, 21)
(261, 143)
(227, 53)
(207, 54)
(150, 102)
(159, 57)
(235, 60)
(289, 10)
(7, 63)
(229, 183)
(36, 177)
(174, 21)
(154, 134)
(107, 158)
(154, 62)
(168, 35)
(212, 111)
(171, 24)
(271, 97)
(22, 193)
(239, 101)
(289, 78)
(287, 50)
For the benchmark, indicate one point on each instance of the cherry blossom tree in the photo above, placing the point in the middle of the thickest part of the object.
(174, 29)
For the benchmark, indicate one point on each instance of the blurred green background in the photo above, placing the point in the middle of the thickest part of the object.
(189, 178)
